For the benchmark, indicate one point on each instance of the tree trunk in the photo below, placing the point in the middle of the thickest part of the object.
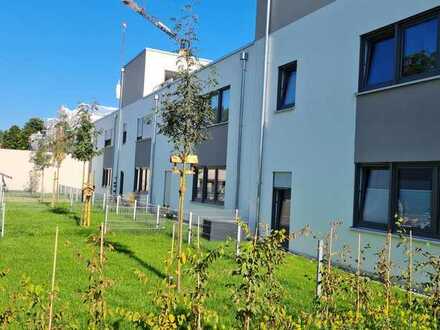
(42, 186)
(58, 183)
(182, 188)
(54, 186)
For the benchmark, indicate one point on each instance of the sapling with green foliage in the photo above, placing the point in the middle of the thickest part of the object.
(60, 146)
(186, 113)
(42, 159)
(84, 149)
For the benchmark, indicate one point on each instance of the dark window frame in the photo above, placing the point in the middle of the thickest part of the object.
(204, 198)
(124, 133)
(393, 189)
(292, 67)
(219, 111)
(398, 29)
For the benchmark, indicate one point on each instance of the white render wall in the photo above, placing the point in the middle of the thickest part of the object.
(315, 141)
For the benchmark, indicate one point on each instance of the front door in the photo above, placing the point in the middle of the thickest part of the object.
(281, 211)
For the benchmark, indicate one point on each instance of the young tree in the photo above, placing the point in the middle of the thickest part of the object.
(186, 113)
(60, 146)
(84, 149)
(41, 158)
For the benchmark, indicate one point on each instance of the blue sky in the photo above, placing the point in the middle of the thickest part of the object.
(57, 52)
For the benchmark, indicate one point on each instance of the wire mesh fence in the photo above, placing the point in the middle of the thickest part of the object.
(2, 212)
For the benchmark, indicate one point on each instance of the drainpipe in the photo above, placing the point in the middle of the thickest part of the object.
(153, 148)
(243, 58)
(263, 115)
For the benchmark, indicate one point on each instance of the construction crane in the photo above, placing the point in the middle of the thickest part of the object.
(183, 43)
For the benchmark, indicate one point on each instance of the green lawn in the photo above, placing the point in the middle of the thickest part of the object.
(28, 247)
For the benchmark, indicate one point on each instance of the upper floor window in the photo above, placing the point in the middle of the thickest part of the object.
(420, 47)
(108, 136)
(142, 127)
(402, 52)
(287, 86)
(170, 75)
(124, 133)
(220, 103)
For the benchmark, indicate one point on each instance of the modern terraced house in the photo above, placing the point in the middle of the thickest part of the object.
(332, 112)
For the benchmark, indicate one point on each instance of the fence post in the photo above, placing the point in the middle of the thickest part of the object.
(3, 218)
(157, 216)
(134, 210)
(198, 232)
(320, 257)
(237, 220)
(106, 220)
(190, 227)
(103, 202)
(71, 202)
(77, 195)
(93, 199)
(117, 204)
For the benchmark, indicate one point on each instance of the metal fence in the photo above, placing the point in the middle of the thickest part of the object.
(2, 211)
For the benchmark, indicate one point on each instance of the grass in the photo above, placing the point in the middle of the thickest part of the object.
(27, 249)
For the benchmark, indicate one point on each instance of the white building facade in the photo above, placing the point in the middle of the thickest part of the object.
(330, 114)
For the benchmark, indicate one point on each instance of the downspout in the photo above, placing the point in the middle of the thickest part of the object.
(153, 149)
(263, 115)
(243, 59)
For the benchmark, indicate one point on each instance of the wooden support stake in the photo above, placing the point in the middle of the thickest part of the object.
(103, 201)
(330, 249)
(118, 199)
(52, 292)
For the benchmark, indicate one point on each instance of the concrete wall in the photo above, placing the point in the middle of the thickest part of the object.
(17, 164)
(316, 140)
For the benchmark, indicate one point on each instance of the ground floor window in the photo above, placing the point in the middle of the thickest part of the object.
(106, 177)
(141, 179)
(209, 185)
(405, 192)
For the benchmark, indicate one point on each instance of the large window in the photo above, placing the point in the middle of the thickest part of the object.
(220, 103)
(408, 192)
(108, 137)
(142, 127)
(209, 185)
(141, 179)
(106, 177)
(286, 86)
(402, 52)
